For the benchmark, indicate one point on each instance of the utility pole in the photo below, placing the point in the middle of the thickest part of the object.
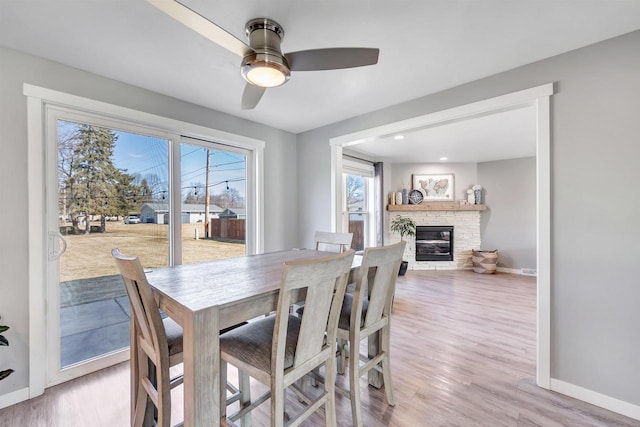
(206, 198)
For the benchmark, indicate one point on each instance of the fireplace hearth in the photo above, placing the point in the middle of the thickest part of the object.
(434, 243)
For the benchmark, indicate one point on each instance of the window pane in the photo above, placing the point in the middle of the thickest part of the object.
(357, 224)
(213, 230)
(355, 193)
(106, 177)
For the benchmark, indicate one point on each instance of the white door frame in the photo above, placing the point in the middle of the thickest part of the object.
(539, 98)
(39, 100)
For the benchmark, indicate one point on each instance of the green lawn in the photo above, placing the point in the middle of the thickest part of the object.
(90, 255)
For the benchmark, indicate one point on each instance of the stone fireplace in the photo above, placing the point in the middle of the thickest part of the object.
(465, 221)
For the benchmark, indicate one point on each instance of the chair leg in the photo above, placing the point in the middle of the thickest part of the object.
(386, 365)
(354, 384)
(164, 408)
(223, 388)
(145, 411)
(342, 355)
(245, 396)
(303, 384)
(140, 409)
(277, 404)
(330, 389)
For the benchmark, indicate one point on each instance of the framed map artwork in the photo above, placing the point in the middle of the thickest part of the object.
(435, 187)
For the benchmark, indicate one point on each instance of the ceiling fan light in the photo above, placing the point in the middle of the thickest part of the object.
(261, 70)
(265, 75)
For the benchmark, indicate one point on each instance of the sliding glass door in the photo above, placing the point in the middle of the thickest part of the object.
(103, 174)
(110, 184)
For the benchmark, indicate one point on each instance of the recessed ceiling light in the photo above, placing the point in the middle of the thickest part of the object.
(444, 158)
(398, 137)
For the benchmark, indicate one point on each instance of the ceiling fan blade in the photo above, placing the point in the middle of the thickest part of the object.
(202, 26)
(251, 96)
(331, 58)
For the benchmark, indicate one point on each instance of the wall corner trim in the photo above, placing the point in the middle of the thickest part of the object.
(598, 399)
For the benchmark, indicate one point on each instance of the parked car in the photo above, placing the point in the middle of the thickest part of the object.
(132, 219)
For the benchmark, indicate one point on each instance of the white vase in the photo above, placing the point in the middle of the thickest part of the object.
(471, 198)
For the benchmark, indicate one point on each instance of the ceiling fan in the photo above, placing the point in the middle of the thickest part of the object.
(263, 63)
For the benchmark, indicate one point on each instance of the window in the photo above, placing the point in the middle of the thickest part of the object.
(138, 162)
(213, 201)
(358, 208)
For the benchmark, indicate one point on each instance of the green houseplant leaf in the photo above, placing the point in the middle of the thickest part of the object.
(404, 226)
(3, 341)
(4, 374)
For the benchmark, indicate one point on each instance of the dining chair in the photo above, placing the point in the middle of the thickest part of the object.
(328, 242)
(158, 341)
(332, 242)
(157, 347)
(363, 316)
(280, 349)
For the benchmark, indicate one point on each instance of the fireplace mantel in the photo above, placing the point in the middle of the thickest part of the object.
(436, 206)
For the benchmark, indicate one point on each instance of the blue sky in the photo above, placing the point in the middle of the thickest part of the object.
(148, 156)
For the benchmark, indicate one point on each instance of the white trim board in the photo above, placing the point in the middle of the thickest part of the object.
(603, 401)
(539, 98)
(485, 106)
(14, 397)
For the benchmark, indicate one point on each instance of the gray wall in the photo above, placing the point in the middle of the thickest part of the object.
(17, 69)
(594, 154)
(510, 223)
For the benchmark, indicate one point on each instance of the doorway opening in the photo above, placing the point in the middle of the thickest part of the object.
(537, 97)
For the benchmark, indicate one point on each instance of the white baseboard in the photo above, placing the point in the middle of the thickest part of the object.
(522, 271)
(621, 407)
(509, 270)
(14, 397)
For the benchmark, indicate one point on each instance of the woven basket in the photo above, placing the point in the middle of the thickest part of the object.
(485, 262)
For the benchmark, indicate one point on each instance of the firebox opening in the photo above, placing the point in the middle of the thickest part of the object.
(434, 243)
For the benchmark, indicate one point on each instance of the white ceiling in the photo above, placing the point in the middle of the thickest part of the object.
(425, 46)
(498, 136)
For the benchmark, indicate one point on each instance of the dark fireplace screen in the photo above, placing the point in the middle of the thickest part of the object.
(434, 243)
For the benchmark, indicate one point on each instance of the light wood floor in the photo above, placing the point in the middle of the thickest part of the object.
(463, 354)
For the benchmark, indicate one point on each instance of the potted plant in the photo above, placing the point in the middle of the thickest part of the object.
(3, 341)
(404, 226)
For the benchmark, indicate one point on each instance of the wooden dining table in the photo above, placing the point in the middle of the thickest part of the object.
(207, 297)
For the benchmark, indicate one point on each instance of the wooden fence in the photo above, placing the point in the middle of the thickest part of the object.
(234, 229)
(357, 228)
(227, 229)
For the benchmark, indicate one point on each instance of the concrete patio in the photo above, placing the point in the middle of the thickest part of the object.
(94, 318)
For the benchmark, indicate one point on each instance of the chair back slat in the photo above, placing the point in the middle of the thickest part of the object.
(324, 281)
(332, 242)
(380, 265)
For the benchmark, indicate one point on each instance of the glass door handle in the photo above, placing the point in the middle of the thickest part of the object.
(57, 245)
